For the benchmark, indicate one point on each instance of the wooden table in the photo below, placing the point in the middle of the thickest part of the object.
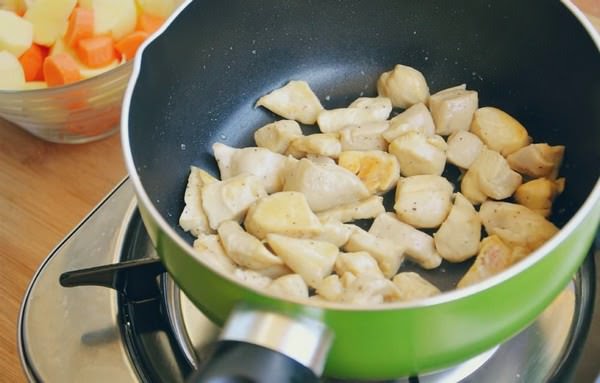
(45, 191)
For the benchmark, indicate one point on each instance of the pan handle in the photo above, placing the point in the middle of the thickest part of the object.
(262, 346)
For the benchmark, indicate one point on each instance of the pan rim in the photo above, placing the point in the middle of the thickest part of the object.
(445, 297)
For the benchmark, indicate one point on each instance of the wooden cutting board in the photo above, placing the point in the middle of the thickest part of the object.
(45, 191)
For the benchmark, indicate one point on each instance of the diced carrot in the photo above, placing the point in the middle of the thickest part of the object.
(61, 69)
(96, 52)
(32, 61)
(81, 26)
(129, 44)
(149, 23)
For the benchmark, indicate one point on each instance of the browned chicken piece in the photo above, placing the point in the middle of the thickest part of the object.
(404, 86)
(452, 109)
(539, 194)
(494, 256)
(379, 171)
(537, 160)
(412, 286)
(417, 118)
(499, 131)
(320, 144)
(494, 177)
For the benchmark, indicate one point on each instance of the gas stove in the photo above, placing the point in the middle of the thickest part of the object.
(148, 331)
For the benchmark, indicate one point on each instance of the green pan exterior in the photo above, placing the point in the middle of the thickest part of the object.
(387, 343)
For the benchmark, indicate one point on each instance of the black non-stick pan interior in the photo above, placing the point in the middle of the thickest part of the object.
(199, 81)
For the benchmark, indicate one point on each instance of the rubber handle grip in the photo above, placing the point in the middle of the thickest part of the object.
(241, 362)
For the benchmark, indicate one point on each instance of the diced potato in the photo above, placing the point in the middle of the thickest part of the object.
(244, 249)
(494, 256)
(538, 194)
(270, 167)
(404, 86)
(469, 187)
(419, 245)
(325, 186)
(494, 176)
(412, 286)
(284, 213)
(16, 33)
(230, 199)
(49, 19)
(334, 120)
(193, 218)
(370, 289)
(117, 18)
(357, 263)
(327, 145)
(367, 136)
(380, 106)
(277, 135)
(252, 278)
(499, 131)
(160, 8)
(294, 101)
(209, 249)
(378, 170)
(291, 285)
(331, 288)
(452, 110)
(423, 201)
(334, 232)
(463, 148)
(363, 209)
(389, 255)
(516, 225)
(417, 118)
(11, 72)
(313, 260)
(537, 160)
(458, 238)
(419, 154)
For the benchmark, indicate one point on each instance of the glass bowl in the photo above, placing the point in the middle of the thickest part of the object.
(84, 111)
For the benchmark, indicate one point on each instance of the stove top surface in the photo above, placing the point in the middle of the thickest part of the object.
(95, 334)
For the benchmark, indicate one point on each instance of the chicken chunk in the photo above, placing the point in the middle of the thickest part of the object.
(357, 263)
(334, 120)
(419, 245)
(452, 110)
(370, 289)
(330, 288)
(231, 198)
(366, 136)
(537, 160)
(380, 106)
(499, 131)
(469, 187)
(291, 285)
(325, 186)
(419, 154)
(334, 232)
(193, 218)
(313, 260)
(458, 238)
(294, 101)
(493, 176)
(463, 148)
(388, 254)
(417, 118)
(412, 286)
(284, 213)
(423, 201)
(327, 145)
(277, 135)
(539, 194)
(269, 166)
(208, 248)
(516, 225)
(252, 278)
(244, 249)
(379, 171)
(404, 86)
(368, 208)
(494, 256)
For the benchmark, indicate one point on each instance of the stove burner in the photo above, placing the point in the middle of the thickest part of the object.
(95, 334)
